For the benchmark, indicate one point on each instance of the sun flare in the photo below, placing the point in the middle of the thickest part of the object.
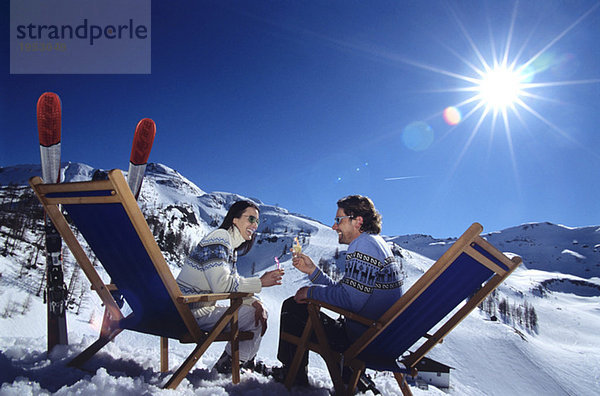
(500, 88)
(505, 86)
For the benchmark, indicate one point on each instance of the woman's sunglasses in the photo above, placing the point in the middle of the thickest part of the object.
(253, 219)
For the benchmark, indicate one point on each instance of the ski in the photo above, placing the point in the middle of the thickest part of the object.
(143, 139)
(49, 125)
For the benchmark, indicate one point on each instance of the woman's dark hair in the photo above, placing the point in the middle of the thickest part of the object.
(235, 212)
(358, 205)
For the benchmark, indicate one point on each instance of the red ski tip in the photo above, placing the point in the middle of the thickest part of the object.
(48, 119)
(142, 141)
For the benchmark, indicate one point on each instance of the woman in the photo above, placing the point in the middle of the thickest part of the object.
(211, 268)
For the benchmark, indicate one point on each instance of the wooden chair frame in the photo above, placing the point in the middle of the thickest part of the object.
(350, 357)
(116, 190)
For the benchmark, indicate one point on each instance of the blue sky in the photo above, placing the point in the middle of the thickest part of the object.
(301, 103)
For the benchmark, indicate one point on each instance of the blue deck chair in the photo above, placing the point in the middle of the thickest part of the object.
(106, 214)
(456, 284)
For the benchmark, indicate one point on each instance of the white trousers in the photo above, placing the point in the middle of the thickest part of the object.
(246, 322)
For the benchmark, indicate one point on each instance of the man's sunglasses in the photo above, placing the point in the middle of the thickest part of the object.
(339, 218)
(253, 220)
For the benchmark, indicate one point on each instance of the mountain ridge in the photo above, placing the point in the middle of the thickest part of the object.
(543, 245)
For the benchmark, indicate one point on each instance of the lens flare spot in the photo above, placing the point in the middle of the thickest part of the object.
(566, 66)
(417, 136)
(539, 65)
(528, 74)
(452, 115)
(544, 62)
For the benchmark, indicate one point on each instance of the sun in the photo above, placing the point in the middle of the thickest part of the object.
(500, 87)
(503, 85)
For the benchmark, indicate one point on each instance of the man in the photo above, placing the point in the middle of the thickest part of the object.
(372, 282)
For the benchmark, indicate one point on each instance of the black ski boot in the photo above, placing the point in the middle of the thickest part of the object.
(223, 365)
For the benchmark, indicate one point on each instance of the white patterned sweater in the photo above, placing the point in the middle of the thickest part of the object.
(211, 268)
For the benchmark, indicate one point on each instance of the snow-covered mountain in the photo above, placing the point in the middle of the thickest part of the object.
(555, 353)
(545, 246)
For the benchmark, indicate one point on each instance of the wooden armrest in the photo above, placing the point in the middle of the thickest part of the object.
(192, 298)
(109, 286)
(349, 315)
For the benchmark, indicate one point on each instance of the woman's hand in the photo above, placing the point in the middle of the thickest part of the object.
(304, 263)
(260, 316)
(271, 278)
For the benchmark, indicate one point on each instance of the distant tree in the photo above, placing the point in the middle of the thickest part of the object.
(526, 309)
(491, 302)
(81, 298)
(489, 305)
(336, 274)
(26, 304)
(325, 266)
(519, 314)
(9, 309)
(37, 247)
(540, 291)
(503, 307)
(530, 316)
(533, 319)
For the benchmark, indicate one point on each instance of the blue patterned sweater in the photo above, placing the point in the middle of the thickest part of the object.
(372, 281)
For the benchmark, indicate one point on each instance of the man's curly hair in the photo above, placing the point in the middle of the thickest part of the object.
(358, 205)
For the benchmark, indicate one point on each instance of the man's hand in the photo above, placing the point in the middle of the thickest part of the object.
(304, 263)
(271, 278)
(301, 295)
(260, 316)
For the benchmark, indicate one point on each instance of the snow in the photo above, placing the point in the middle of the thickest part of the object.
(574, 254)
(560, 279)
